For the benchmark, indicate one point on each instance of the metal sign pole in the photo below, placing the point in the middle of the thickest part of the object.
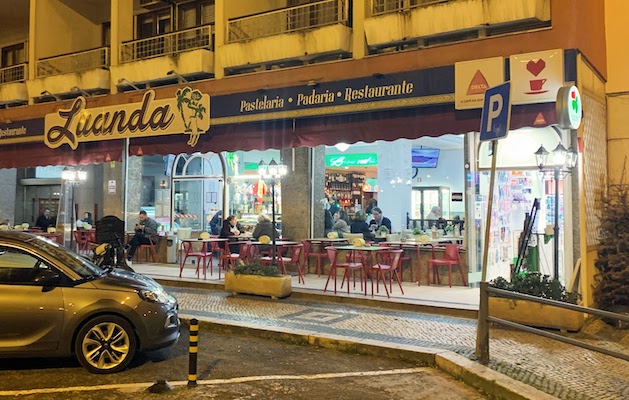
(490, 203)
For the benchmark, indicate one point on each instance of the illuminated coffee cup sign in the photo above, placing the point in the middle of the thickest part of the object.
(188, 113)
(569, 108)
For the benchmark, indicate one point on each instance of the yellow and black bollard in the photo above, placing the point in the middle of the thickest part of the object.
(194, 349)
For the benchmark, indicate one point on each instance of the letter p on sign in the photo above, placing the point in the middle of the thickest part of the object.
(496, 114)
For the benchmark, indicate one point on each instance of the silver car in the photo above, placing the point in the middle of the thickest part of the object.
(56, 303)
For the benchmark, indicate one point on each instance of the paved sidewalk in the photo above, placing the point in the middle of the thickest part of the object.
(561, 370)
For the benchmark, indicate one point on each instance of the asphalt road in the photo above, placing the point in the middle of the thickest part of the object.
(281, 371)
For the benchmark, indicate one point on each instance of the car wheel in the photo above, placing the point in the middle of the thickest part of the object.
(105, 344)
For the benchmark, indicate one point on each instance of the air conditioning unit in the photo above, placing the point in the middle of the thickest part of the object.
(152, 4)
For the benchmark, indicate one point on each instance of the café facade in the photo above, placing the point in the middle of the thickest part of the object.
(112, 135)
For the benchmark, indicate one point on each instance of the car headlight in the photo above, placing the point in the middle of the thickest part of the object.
(156, 296)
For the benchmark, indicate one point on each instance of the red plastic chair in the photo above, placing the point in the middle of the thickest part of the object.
(308, 253)
(295, 259)
(229, 259)
(451, 257)
(80, 239)
(391, 268)
(348, 267)
(202, 254)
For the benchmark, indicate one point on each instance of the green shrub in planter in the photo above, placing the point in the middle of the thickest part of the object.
(255, 268)
(536, 284)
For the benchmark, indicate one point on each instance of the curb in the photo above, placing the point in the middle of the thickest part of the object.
(308, 295)
(494, 384)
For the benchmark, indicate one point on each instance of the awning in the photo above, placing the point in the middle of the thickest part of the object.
(351, 128)
(35, 154)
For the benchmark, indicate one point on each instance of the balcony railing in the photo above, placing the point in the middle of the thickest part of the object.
(169, 43)
(379, 7)
(287, 20)
(74, 62)
(14, 73)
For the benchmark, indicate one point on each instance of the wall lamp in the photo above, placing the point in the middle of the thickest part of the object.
(48, 94)
(178, 75)
(78, 89)
(123, 81)
(312, 83)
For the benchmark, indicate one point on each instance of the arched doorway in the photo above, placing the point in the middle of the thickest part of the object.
(198, 189)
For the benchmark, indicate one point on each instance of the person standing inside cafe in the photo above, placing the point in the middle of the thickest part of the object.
(143, 229)
(44, 220)
(379, 220)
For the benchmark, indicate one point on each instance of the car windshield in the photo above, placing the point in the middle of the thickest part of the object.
(70, 259)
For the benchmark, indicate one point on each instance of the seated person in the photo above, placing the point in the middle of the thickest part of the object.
(143, 230)
(44, 220)
(231, 227)
(87, 218)
(359, 225)
(264, 227)
(379, 220)
(340, 223)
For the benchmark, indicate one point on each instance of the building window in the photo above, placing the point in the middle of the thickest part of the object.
(106, 35)
(13, 55)
(195, 14)
(154, 23)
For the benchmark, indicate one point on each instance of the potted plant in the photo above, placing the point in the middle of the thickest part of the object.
(417, 232)
(531, 313)
(262, 280)
(382, 231)
(449, 230)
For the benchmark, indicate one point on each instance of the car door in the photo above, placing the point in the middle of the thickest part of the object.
(31, 314)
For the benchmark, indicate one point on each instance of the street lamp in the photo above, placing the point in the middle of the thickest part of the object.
(73, 177)
(563, 161)
(272, 172)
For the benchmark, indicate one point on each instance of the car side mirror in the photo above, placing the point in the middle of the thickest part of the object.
(46, 277)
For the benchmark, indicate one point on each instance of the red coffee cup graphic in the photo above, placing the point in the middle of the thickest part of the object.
(537, 84)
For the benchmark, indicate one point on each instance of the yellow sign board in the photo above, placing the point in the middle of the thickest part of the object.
(188, 113)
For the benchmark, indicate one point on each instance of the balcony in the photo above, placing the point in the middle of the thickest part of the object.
(12, 87)
(289, 36)
(428, 22)
(87, 70)
(189, 52)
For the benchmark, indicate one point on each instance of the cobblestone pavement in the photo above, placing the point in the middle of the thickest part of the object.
(559, 369)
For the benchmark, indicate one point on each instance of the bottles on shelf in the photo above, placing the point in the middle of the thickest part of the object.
(347, 188)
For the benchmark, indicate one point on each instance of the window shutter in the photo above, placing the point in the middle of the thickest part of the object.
(207, 14)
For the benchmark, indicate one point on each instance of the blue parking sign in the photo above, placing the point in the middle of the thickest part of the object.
(496, 114)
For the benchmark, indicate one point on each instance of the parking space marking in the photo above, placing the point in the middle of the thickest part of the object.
(243, 379)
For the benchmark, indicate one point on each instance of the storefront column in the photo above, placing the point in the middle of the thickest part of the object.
(302, 190)
(394, 181)
(8, 187)
(133, 191)
(113, 189)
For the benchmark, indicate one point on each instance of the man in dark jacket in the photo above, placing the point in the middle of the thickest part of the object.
(359, 225)
(44, 220)
(143, 230)
(379, 220)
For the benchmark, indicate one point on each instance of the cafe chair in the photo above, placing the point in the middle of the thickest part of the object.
(295, 259)
(80, 241)
(308, 253)
(182, 233)
(229, 260)
(149, 248)
(203, 254)
(450, 257)
(392, 267)
(348, 267)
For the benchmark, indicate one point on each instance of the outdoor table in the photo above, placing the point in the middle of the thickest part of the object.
(372, 251)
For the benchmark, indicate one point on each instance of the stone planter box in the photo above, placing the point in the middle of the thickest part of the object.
(273, 286)
(535, 314)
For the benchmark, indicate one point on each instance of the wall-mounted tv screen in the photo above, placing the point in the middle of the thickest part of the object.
(425, 158)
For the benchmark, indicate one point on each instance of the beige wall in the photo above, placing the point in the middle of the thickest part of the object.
(14, 37)
(239, 8)
(616, 12)
(56, 30)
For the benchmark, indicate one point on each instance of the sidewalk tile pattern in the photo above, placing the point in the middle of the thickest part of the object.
(562, 370)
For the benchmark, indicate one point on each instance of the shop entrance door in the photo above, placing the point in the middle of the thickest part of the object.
(197, 190)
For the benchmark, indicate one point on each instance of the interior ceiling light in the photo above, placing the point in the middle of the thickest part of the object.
(342, 147)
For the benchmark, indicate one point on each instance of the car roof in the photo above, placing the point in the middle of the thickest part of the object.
(15, 235)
